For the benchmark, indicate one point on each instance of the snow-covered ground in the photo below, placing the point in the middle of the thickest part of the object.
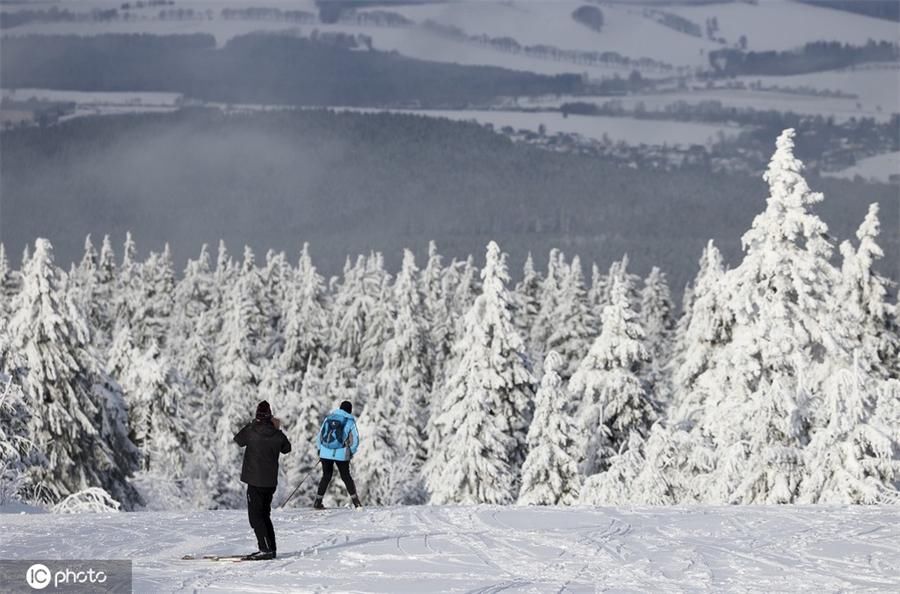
(878, 168)
(773, 24)
(783, 24)
(489, 549)
(629, 130)
(625, 29)
(877, 87)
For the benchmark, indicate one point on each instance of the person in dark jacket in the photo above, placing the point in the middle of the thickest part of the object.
(264, 441)
(338, 442)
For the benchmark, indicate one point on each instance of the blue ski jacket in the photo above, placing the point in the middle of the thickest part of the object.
(351, 441)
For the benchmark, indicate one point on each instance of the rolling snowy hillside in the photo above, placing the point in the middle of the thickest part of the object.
(489, 549)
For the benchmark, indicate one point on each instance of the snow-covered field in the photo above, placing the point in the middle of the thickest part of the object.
(625, 129)
(489, 549)
(876, 86)
(782, 25)
(878, 168)
(774, 24)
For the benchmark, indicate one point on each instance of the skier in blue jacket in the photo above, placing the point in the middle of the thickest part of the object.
(338, 441)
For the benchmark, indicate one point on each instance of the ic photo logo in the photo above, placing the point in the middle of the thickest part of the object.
(38, 576)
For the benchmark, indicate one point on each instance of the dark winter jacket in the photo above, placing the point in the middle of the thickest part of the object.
(264, 442)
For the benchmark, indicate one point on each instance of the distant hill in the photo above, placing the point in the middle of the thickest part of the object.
(350, 183)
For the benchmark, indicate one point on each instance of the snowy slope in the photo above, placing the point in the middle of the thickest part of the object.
(488, 549)
(784, 24)
(879, 167)
(625, 29)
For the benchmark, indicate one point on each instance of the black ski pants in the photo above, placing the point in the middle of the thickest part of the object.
(259, 508)
(328, 472)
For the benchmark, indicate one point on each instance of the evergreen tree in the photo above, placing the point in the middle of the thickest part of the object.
(159, 421)
(6, 289)
(550, 473)
(707, 329)
(239, 377)
(869, 319)
(755, 399)
(101, 309)
(853, 459)
(377, 463)
(606, 386)
(648, 471)
(547, 306)
(78, 415)
(487, 404)
(658, 322)
(303, 414)
(436, 310)
(573, 326)
(527, 295)
(403, 385)
(155, 290)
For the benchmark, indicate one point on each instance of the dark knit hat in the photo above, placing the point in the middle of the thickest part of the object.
(347, 407)
(263, 411)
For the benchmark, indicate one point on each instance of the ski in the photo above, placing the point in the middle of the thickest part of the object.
(232, 558)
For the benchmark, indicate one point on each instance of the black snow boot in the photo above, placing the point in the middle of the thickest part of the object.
(261, 556)
(318, 503)
(355, 500)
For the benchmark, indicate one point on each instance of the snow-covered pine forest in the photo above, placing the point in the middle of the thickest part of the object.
(776, 381)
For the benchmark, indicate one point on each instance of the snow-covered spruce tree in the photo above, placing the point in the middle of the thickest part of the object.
(277, 279)
(160, 423)
(6, 292)
(404, 384)
(127, 286)
(239, 376)
(350, 306)
(436, 310)
(17, 453)
(548, 298)
(156, 290)
(487, 402)
(870, 321)
(658, 321)
(606, 387)
(77, 414)
(853, 459)
(302, 416)
(708, 327)
(378, 322)
(377, 463)
(597, 288)
(573, 325)
(619, 270)
(306, 318)
(528, 295)
(81, 278)
(465, 290)
(550, 473)
(193, 300)
(784, 341)
(656, 470)
(100, 311)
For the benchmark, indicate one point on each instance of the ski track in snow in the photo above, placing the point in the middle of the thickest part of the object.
(489, 548)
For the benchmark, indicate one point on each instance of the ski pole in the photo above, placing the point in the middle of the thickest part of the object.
(294, 492)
